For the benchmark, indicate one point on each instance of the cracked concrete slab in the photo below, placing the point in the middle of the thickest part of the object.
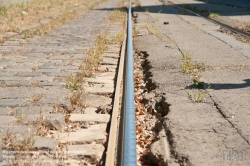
(198, 133)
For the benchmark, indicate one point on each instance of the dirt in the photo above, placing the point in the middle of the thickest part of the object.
(237, 36)
(214, 132)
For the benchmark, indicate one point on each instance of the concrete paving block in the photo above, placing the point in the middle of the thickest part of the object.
(112, 51)
(45, 143)
(101, 80)
(98, 118)
(105, 68)
(22, 129)
(7, 74)
(108, 75)
(84, 136)
(29, 74)
(34, 110)
(12, 78)
(5, 111)
(93, 100)
(93, 152)
(109, 61)
(57, 120)
(17, 83)
(13, 102)
(111, 55)
(90, 110)
(99, 88)
(4, 120)
(42, 78)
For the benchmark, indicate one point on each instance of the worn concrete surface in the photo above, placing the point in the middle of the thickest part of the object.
(215, 132)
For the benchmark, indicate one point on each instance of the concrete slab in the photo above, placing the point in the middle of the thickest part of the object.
(111, 55)
(84, 136)
(96, 118)
(109, 61)
(90, 110)
(93, 152)
(101, 80)
(198, 133)
(57, 120)
(99, 89)
(4, 120)
(21, 129)
(5, 111)
(93, 100)
(43, 143)
(13, 102)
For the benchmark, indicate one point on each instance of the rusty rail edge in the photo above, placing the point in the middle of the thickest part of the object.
(112, 142)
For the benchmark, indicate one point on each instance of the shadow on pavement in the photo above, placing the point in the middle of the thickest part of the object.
(203, 9)
(229, 86)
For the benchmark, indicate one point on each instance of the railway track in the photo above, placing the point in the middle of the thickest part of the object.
(50, 109)
(100, 131)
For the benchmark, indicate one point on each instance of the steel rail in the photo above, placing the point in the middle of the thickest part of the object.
(235, 30)
(111, 149)
(129, 143)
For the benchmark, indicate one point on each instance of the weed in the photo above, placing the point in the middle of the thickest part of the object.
(213, 15)
(151, 28)
(135, 32)
(34, 68)
(198, 96)
(73, 82)
(116, 38)
(36, 97)
(94, 57)
(76, 99)
(14, 142)
(245, 27)
(43, 126)
(118, 14)
(3, 10)
(190, 67)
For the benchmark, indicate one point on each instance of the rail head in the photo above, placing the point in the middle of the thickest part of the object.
(129, 143)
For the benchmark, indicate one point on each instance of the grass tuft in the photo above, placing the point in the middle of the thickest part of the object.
(213, 15)
(198, 96)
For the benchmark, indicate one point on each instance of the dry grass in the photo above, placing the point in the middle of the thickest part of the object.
(36, 97)
(151, 29)
(73, 82)
(14, 142)
(27, 17)
(89, 67)
(190, 67)
(245, 27)
(118, 15)
(198, 96)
